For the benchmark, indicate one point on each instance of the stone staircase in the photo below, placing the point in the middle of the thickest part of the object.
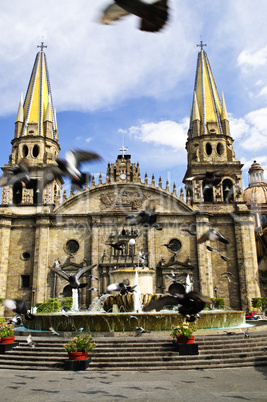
(143, 353)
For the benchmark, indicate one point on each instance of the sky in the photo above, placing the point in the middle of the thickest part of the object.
(114, 85)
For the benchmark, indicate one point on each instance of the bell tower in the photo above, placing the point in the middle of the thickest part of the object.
(35, 139)
(213, 174)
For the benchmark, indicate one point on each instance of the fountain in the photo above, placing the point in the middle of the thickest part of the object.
(103, 317)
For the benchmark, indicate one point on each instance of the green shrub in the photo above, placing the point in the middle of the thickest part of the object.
(259, 302)
(219, 303)
(54, 305)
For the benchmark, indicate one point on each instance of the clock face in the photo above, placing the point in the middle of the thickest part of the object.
(123, 176)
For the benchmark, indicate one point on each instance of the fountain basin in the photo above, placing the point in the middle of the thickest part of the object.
(122, 322)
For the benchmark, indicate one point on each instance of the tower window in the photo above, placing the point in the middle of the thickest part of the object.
(208, 148)
(25, 151)
(26, 255)
(207, 191)
(35, 151)
(220, 148)
(228, 191)
(17, 193)
(25, 281)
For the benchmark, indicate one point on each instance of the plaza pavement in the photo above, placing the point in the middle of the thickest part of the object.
(222, 385)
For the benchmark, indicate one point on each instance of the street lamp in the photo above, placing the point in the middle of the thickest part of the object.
(215, 291)
(131, 251)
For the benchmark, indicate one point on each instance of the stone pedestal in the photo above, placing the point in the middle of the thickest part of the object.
(77, 365)
(4, 347)
(186, 348)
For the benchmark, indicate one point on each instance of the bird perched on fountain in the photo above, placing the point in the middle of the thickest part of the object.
(70, 167)
(122, 287)
(153, 16)
(189, 304)
(16, 175)
(18, 306)
(71, 278)
(212, 235)
(146, 218)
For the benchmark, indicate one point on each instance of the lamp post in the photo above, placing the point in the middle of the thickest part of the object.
(216, 291)
(33, 299)
(131, 251)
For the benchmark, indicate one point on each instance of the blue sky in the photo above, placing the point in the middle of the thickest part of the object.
(115, 82)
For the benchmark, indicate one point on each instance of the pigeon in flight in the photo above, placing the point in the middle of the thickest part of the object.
(92, 288)
(30, 341)
(142, 330)
(16, 175)
(189, 304)
(212, 235)
(18, 306)
(146, 218)
(16, 320)
(190, 231)
(153, 16)
(71, 278)
(122, 287)
(93, 277)
(213, 178)
(223, 257)
(118, 245)
(142, 257)
(70, 167)
(53, 332)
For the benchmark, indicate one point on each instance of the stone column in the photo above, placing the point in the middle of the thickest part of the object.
(5, 231)
(204, 259)
(247, 264)
(41, 253)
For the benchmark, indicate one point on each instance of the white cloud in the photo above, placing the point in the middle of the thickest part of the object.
(167, 133)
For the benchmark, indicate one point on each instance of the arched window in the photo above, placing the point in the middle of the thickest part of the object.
(207, 189)
(228, 194)
(17, 193)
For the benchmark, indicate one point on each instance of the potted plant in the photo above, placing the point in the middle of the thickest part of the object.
(79, 346)
(6, 333)
(184, 333)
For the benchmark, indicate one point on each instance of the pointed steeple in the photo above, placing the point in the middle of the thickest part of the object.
(20, 114)
(38, 99)
(206, 98)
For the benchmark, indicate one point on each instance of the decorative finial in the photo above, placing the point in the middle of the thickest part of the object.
(42, 46)
(202, 45)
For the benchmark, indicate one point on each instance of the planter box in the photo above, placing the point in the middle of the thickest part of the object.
(77, 365)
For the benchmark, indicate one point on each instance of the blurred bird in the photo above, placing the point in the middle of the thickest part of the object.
(227, 277)
(227, 273)
(73, 279)
(70, 167)
(30, 341)
(119, 245)
(213, 178)
(246, 334)
(142, 330)
(122, 287)
(93, 277)
(142, 257)
(223, 257)
(153, 16)
(53, 331)
(18, 306)
(146, 218)
(190, 231)
(189, 304)
(92, 288)
(16, 320)
(212, 235)
(132, 317)
(16, 174)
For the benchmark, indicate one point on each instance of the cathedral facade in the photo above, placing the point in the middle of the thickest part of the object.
(40, 225)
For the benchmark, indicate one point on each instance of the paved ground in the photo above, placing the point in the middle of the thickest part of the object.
(248, 384)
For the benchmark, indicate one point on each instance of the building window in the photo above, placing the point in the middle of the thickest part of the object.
(17, 193)
(72, 246)
(25, 281)
(208, 149)
(174, 245)
(25, 151)
(25, 256)
(220, 148)
(35, 151)
(207, 191)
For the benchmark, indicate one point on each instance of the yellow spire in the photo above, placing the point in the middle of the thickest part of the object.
(20, 114)
(195, 114)
(224, 111)
(206, 95)
(38, 101)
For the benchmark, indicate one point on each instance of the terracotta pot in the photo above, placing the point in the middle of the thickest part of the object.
(7, 339)
(184, 339)
(77, 355)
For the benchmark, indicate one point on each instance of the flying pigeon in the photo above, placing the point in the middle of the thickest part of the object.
(223, 257)
(142, 330)
(93, 277)
(30, 341)
(53, 331)
(227, 277)
(16, 175)
(142, 257)
(122, 287)
(190, 231)
(71, 278)
(132, 317)
(16, 320)
(212, 235)
(153, 16)
(92, 288)
(18, 306)
(118, 245)
(213, 178)
(70, 167)
(189, 304)
(146, 218)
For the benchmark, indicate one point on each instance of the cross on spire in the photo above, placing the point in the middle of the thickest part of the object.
(202, 44)
(42, 46)
(123, 150)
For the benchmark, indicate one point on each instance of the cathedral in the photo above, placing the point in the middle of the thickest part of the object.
(41, 225)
